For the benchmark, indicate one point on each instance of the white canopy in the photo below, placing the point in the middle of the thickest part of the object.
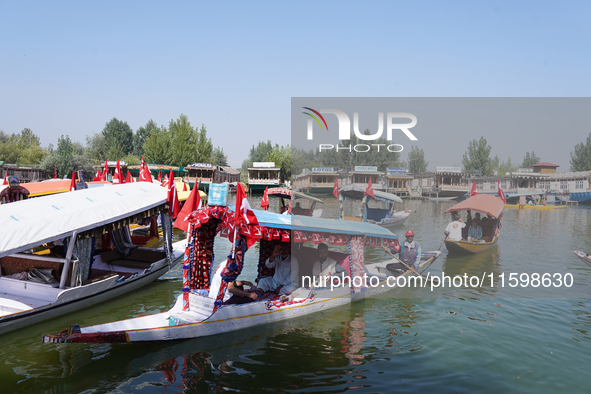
(32, 222)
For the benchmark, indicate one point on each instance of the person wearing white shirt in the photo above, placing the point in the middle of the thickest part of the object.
(453, 231)
(325, 267)
(285, 279)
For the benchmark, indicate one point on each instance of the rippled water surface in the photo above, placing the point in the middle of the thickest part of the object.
(487, 339)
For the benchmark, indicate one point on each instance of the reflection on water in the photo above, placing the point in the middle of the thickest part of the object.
(453, 339)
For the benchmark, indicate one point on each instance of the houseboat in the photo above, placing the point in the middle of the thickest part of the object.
(262, 175)
(397, 181)
(319, 180)
(201, 175)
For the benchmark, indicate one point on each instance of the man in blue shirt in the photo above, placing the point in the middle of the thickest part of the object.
(475, 232)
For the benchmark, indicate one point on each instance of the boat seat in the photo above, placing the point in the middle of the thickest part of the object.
(145, 255)
(130, 263)
(12, 265)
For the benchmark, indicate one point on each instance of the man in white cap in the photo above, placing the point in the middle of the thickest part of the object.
(410, 252)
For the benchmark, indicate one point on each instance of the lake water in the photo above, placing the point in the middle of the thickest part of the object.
(487, 339)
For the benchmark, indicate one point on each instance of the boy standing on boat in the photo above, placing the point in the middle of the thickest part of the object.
(285, 279)
(453, 231)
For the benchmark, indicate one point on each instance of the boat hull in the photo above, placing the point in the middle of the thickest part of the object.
(230, 317)
(536, 207)
(469, 247)
(583, 256)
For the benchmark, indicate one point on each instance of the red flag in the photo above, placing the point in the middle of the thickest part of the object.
(165, 181)
(193, 203)
(369, 190)
(73, 183)
(265, 201)
(501, 194)
(335, 189)
(473, 192)
(173, 198)
(143, 163)
(105, 172)
(145, 175)
(54, 172)
(97, 176)
(184, 187)
(118, 176)
(159, 177)
(5, 180)
(243, 210)
(128, 178)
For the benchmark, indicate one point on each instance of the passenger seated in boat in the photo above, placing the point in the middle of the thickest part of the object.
(453, 231)
(234, 292)
(475, 232)
(297, 210)
(285, 279)
(325, 267)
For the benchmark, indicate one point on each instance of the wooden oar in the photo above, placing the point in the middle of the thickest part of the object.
(401, 262)
(439, 248)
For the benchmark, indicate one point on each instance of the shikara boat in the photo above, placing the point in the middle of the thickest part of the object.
(386, 217)
(288, 196)
(483, 203)
(583, 256)
(196, 314)
(535, 207)
(82, 268)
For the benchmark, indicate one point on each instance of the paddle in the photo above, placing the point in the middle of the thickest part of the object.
(401, 262)
(439, 248)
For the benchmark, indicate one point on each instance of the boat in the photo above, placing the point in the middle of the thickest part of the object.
(35, 286)
(196, 315)
(540, 207)
(289, 196)
(385, 217)
(583, 256)
(484, 203)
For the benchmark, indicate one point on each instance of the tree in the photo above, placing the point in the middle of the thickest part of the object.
(477, 157)
(218, 157)
(281, 156)
(118, 139)
(141, 135)
(183, 141)
(416, 161)
(157, 147)
(580, 158)
(64, 152)
(204, 146)
(257, 154)
(96, 147)
(530, 159)
(506, 166)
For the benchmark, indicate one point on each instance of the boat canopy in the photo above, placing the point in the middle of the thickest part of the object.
(357, 192)
(279, 192)
(340, 227)
(306, 197)
(485, 203)
(36, 221)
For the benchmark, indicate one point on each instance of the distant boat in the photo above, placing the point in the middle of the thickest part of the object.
(380, 216)
(583, 256)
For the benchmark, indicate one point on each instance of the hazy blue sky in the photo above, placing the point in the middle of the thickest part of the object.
(68, 67)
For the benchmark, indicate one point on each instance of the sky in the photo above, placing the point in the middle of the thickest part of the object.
(68, 67)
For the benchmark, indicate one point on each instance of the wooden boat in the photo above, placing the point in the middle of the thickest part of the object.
(195, 314)
(82, 220)
(536, 207)
(289, 196)
(380, 216)
(583, 256)
(484, 203)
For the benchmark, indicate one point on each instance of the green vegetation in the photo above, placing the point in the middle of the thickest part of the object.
(580, 158)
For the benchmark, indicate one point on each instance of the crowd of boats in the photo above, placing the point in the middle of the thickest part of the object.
(70, 250)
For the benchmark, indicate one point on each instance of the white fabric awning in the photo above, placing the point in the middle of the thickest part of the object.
(32, 222)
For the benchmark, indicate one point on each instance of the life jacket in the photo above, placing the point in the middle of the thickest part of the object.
(408, 255)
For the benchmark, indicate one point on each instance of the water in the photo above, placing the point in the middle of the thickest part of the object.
(451, 340)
